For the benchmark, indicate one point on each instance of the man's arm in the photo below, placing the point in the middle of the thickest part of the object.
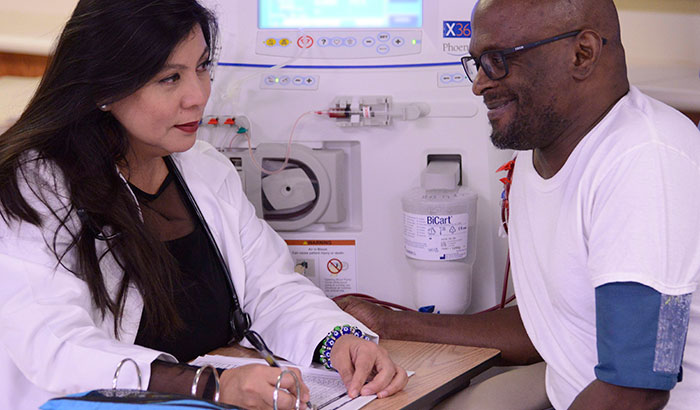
(500, 329)
(601, 396)
(640, 339)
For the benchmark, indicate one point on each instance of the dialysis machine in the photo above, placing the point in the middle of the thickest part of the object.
(370, 92)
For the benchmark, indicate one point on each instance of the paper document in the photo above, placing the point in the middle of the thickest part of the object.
(326, 387)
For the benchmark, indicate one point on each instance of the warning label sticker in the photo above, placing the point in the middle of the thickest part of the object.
(329, 264)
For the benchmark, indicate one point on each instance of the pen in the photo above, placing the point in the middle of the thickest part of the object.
(259, 344)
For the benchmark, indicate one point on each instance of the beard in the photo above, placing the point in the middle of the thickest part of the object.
(534, 125)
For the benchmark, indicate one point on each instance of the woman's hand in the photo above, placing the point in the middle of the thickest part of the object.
(356, 360)
(252, 386)
(372, 315)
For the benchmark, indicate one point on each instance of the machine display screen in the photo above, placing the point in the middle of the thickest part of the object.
(341, 14)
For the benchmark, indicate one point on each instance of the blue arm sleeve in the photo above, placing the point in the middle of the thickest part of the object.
(640, 335)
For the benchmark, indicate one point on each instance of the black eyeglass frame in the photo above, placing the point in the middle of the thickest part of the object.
(508, 51)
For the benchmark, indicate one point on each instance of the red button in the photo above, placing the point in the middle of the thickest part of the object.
(305, 41)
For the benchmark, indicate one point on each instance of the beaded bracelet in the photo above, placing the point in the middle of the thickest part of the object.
(333, 335)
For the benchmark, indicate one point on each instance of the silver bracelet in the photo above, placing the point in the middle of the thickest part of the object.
(119, 367)
(195, 382)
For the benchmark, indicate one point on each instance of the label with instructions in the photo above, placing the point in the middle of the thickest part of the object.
(436, 237)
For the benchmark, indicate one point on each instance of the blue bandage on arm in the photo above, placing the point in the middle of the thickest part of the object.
(640, 335)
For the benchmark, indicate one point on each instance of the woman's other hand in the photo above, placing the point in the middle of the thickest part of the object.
(358, 360)
(252, 387)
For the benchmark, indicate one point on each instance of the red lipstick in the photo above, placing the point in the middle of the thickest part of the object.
(190, 127)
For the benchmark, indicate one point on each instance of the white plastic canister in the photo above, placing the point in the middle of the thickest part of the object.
(439, 239)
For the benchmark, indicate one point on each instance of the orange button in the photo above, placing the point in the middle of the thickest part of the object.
(270, 42)
(284, 42)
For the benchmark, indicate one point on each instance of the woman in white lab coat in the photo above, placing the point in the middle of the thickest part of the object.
(102, 253)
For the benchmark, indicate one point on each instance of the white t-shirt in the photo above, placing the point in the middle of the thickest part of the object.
(624, 208)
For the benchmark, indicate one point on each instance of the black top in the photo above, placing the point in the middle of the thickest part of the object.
(202, 297)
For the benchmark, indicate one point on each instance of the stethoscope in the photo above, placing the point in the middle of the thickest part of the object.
(239, 320)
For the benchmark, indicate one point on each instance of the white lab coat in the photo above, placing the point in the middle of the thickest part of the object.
(52, 340)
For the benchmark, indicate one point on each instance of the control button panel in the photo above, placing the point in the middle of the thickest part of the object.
(287, 81)
(453, 79)
(332, 44)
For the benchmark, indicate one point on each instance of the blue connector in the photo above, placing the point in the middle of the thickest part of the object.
(427, 309)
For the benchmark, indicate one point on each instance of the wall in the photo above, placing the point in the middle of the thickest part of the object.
(666, 6)
(662, 43)
(61, 7)
(661, 33)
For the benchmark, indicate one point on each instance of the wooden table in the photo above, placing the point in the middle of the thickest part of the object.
(441, 370)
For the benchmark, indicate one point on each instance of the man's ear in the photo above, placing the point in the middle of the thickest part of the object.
(588, 47)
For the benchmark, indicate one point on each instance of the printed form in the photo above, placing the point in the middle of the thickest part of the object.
(326, 387)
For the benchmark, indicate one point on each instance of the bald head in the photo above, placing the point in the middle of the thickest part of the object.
(530, 20)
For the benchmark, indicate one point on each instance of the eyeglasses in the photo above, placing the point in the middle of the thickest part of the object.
(494, 61)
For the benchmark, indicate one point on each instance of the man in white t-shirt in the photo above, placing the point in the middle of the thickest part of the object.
(604, 224)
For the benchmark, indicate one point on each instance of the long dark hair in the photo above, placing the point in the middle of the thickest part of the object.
(107, 50)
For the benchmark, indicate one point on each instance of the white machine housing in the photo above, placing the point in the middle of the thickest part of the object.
(274, 76)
